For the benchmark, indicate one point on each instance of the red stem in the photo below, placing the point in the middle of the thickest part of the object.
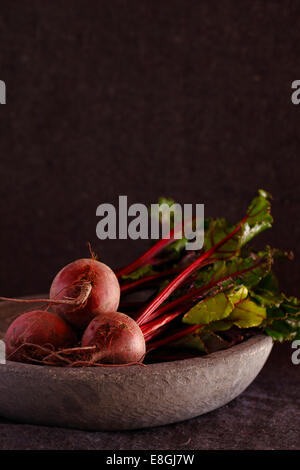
(142, 260)
(175, 336)
(153, 251)
(148, 279)
(196, 293)
(150, 329)
(155, 303)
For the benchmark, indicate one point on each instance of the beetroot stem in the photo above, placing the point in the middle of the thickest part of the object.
(195, 294)
(167, 291)
(146, 280)
(150, 329)
(142, 260)
(149, 254)
(163, 342)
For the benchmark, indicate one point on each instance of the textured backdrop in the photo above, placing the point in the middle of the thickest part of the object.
(181, 98)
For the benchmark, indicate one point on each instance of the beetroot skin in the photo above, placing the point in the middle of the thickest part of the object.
(104, 296)
(40, 328)
(118, 338)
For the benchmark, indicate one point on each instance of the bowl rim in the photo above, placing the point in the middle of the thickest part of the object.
(201, 361)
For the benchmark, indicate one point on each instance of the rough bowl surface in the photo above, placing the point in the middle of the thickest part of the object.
(129, 397)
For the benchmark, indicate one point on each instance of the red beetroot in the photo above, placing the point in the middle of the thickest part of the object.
(93, 284)
(39, 328)
(118, 338)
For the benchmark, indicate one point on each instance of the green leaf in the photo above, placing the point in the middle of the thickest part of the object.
(247, 314)
(289, 308)
(269, 283)
(283, 322)
(212, 341)
(266, 298)
(221, 325)
(191, 341)
(248, 271)
(258, 219)
(215, 307)
(291, 305)
(146, 270)
(267, 293)
(202, 340)
(284, 330)
(217, 231)
(237, 295)
(259, 216)
(177, 246)
(208, 310)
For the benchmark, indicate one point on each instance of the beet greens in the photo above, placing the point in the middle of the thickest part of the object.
(200, 301)
(223, 294)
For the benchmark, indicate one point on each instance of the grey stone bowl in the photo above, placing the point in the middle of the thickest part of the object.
(130, 397)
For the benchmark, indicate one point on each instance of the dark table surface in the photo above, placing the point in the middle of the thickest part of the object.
(265, 416)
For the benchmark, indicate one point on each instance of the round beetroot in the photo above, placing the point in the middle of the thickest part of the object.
(71, 282)
(118, 338)
(39, 328)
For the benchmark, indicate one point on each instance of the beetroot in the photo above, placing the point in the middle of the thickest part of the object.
(37, 328)
(92, 284)
(118, 339)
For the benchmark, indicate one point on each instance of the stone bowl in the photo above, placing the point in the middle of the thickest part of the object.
(129, 397)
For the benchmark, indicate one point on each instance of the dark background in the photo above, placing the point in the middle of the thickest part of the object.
(185, 98)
